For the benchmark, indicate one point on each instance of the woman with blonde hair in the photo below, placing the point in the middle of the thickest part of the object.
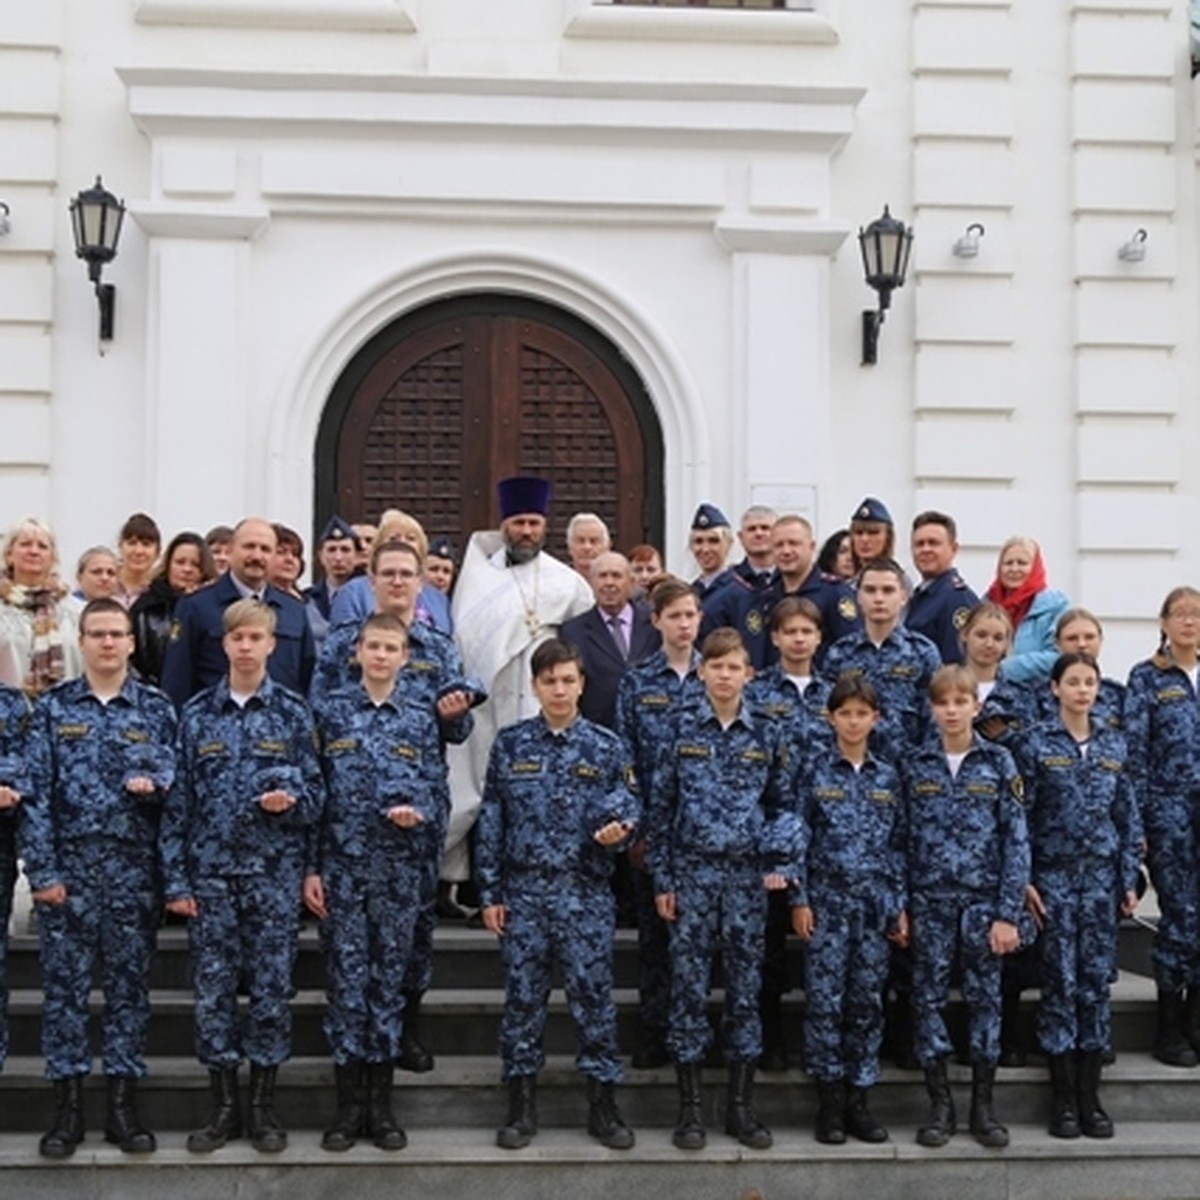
(1033, 607)
(39, 641)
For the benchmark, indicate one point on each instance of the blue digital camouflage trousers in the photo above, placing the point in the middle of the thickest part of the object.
(109, 919)
(720, 907)
(950, 930)
(419, 973)
(374, 908)
(845, 969)
(1079, 950)
(654, 962)
(245, 928)
(1175, 872)
(8, 877)
(548, 920)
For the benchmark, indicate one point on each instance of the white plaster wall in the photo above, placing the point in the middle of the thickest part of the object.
(1043, 387)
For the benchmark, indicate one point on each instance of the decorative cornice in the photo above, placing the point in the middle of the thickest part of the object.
(393, 16)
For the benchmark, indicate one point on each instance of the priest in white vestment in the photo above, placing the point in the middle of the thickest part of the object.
(510, 597)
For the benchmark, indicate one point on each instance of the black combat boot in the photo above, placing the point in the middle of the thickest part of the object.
(520, 1126)
(940, 1123)
(348, 1121)
(740, 1121)
(604, 1118)
(382, 1125)
(830, 1125)
(689, 1129)
(1170, 1042)
(66, 1132)
(122, 1127)
(860, 1121)
(1064, 1110)
(226, 1119)
(986, 1130)
(266, 1133)
(413, 1055)
(1093, 1120)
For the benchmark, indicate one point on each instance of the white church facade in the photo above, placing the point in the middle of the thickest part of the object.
(371, 245)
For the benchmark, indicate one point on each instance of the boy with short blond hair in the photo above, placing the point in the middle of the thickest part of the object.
(968, 865)
(233, 845)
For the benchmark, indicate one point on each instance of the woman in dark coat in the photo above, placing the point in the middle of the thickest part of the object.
(187, 565)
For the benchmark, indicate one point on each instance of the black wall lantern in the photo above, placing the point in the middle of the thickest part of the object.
(885, 244)
(96, 217)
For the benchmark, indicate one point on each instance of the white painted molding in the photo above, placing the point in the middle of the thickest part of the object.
(393, 16)
(816, 26)
(757, 235)
(206, 221)
(166, 101)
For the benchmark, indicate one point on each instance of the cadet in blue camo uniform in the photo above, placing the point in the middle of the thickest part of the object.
(102, 756)
(648, 698)
(559, 798)
(14, 786)
(383, 770)
(848, 904)
(968, 868)
(897, 662)
(233, 852)
(1162, 729)
(433, 675)
(1086, 836)
(718, 837)
(1012, 709)
(1008, 713)
(793, 694)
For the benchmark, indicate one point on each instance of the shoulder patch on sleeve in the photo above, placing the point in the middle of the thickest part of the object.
(847, 609)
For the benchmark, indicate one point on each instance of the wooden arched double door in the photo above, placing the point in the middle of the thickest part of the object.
(447, 400)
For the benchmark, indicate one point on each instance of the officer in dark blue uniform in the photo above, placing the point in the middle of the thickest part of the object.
(103, 756)
(440, 564)
(14, 786)
(710, 542)
(383, 766)
(338, 550)
(796, 574)
(942, 601)
(233, 848)
(194, 658)
(559, 798)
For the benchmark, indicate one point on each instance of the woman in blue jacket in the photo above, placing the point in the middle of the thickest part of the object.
(1020, 588)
